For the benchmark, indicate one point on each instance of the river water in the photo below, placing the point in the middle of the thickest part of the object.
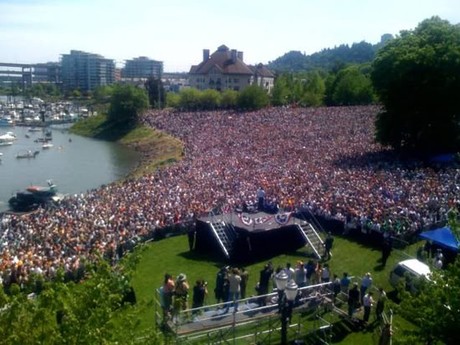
(75, 164)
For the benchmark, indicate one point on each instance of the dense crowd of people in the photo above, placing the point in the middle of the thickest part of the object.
(323, 159)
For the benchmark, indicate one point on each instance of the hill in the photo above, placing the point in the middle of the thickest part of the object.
(328, 59)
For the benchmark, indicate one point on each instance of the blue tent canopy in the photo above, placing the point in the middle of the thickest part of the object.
(443, 237)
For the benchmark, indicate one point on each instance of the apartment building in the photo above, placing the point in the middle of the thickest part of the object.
(86, 71)
(142, 68)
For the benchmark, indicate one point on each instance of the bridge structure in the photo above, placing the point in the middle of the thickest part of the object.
(27, 74)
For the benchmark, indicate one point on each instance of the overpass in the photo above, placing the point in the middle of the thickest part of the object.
(27, 74)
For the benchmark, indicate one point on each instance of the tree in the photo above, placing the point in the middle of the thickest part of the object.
(417, 77)
(189, 99)
(172, 100)
(103, 94)
(352, 87)
(156, 92)
(229, 99)
(435, 309)
(280, 92)
(253, 97)
(91, 312)
(127, 103)
(314, 90)
(210, 99)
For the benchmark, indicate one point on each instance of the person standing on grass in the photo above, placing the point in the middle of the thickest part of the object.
(181, 294)
(264, 281)
(353, 299)
(345, 282)
(328, 246)
(386, 250)
(167, 291)
(336, 287)
(234, 281)
(244, 274)
(200, 291)
(366, 283)
(380, 307)
(368, 302)
(219, 290)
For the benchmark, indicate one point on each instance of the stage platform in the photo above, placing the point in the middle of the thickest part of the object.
(247, 236)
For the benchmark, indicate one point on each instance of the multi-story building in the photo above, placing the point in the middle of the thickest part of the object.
(226, 70)
(86, 71)
(142, 68)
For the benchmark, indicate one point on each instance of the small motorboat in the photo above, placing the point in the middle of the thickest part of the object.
(46, 146)
(34, 129)
(27, 154)
(33, 197)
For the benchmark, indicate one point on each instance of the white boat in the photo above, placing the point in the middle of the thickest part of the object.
(5, 142)
(47, 146)
(7, 139)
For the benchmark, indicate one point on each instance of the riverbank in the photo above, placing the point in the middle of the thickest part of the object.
(157, 148)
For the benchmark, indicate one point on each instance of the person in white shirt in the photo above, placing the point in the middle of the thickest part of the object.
(368, 302)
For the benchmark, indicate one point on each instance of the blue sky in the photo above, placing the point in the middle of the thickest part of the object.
(176, 31)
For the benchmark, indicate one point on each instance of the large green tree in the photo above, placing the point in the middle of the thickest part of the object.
(253, 97)
(305, 89)
(351, 86)
(156, 92)
(210, 99)
(417, 77)
(127, 103)
(229, 99)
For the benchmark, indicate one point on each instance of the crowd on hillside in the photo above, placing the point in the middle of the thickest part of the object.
(323, 159)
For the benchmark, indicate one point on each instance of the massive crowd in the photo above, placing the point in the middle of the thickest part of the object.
(323, 159)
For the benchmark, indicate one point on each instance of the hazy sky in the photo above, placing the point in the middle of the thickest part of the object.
(176, 31)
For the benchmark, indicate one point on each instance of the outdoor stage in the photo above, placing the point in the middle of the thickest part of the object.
(249, 235)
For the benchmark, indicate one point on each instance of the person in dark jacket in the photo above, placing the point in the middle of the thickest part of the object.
(353, 299)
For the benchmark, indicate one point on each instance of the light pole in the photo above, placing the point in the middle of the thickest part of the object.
(287, 292)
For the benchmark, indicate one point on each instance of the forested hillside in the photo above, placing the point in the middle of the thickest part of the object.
(328, 59)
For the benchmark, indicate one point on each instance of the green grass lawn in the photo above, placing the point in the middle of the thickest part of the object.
(173, 256)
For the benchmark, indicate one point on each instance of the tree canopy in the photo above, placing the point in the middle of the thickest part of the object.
(417, 77)
(96, 310)
(350, 86)
(253, 97)
(435, 309)
(156, 92)
(305, 89)
(328, 59)
(126, 104)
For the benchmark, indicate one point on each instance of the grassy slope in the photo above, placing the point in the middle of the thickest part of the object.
(156, 147)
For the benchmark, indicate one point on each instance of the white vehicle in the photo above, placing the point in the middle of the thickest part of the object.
(411, 271)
